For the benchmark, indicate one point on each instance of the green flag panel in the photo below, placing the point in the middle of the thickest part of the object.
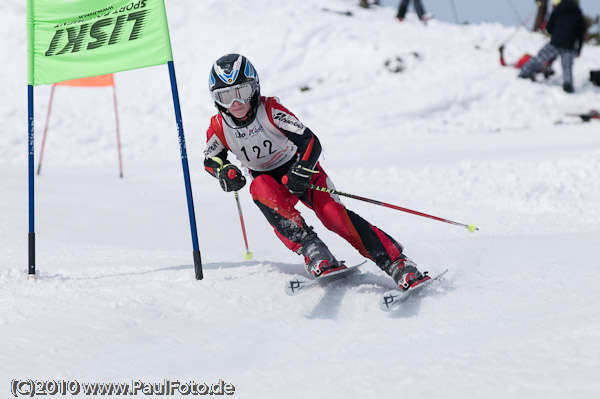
(70, 39)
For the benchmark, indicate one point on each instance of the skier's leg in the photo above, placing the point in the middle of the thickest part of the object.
(277, 204)
(547, 53)
(529, 69)
(536, 64)
(420, 10)
(370, 241)
(402, 7)
(566, 58)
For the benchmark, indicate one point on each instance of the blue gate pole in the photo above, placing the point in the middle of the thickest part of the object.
(186, 172)
(31, 235)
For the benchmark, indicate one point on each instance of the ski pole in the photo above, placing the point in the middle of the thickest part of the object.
(471, 227)
(248, 255)
(454, 11)
(516, 11)
(523, 23)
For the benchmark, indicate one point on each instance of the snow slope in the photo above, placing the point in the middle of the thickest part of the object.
(455, 135)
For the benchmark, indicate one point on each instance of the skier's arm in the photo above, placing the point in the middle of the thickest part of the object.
(309, 147)
(213, 164)
(214, 149)
(298, 177)
(216, 164)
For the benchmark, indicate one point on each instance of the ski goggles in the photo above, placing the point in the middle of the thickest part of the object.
(242, 92)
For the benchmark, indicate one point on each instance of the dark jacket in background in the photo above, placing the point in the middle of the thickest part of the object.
(567, 26)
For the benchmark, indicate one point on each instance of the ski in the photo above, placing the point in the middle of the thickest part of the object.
(300, 284)
(584, 118)
(593, 114)
(392, 299)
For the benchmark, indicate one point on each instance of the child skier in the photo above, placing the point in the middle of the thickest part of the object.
(282, 157)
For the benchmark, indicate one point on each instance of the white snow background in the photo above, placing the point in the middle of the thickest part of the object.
(454, 135)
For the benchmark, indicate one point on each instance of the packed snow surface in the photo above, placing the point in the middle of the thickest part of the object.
(454, 134)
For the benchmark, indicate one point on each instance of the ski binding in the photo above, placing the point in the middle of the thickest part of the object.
(392, 299)
(300, 284)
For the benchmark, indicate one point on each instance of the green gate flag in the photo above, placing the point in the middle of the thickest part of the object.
(71, 39)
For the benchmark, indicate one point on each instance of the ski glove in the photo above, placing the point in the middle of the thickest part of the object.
(298, 177)
(230, 177)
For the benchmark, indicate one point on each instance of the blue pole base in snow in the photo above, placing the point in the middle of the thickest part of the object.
(31, 269)
(198, 265)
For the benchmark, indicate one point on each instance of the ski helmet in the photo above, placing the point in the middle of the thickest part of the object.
(233, 78)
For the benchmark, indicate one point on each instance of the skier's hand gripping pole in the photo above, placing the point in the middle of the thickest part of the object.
(471, 227)
(229, 176)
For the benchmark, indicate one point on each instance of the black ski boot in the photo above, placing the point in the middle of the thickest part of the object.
(548, 71)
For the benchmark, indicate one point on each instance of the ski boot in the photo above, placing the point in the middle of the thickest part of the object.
(405, 273)
(548, 71)
(426, 18)
(318, 260)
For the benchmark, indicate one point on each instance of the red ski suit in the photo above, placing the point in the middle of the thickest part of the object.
(268, 147)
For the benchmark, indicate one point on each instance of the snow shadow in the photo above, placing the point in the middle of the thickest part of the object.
(335, 291)
(412, 305)
(331, 302)
(292, 269)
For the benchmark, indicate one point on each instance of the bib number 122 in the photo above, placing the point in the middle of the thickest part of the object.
(257, 151)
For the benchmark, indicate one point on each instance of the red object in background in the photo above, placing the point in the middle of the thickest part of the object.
(522, 61)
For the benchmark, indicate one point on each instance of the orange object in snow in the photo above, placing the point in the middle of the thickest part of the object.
(94, 81)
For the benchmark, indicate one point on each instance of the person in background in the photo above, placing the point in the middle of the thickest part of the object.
(567, 27)
(419, 9)
(540, 19)
(282, 155)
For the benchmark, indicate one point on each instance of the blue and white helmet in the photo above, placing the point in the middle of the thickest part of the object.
(233, 78)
